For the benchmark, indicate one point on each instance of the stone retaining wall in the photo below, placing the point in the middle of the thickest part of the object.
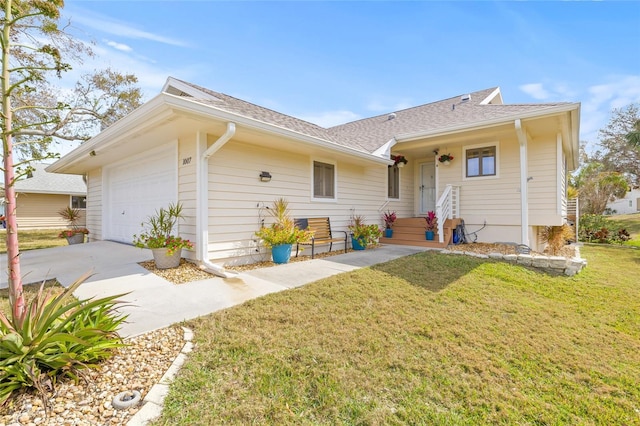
(553, 264)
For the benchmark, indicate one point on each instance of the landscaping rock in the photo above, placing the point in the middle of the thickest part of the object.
(524, 259)
(138, 366)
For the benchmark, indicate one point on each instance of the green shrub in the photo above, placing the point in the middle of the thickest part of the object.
(56, 336)
(595, 228)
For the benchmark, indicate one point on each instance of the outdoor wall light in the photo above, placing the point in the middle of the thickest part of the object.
(265, 176)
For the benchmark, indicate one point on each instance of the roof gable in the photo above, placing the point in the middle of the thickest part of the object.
(50, 183)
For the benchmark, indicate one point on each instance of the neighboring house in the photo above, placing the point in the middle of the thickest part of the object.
(208, 150)
(40, 195)
(627, 205)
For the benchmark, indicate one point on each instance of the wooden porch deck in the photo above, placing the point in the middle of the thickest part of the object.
(410, 232)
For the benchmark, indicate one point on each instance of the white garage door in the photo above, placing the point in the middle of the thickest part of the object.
(135, 190)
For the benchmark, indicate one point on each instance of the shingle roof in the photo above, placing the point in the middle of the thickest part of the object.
(371, 133)
(266, 115)
(51, 183)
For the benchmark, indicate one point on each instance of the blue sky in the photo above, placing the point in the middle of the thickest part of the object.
(332, 62)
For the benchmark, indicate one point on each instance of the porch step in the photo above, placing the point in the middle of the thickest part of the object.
(410, 232)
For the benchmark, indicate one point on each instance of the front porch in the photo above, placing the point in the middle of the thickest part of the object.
(410, 232)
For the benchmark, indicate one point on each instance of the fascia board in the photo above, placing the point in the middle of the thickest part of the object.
(191, 105)
(148, 114)
(192, 91)
(408, 137)
(575, 140)
(37, 191)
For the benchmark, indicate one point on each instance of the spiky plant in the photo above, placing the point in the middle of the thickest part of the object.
(56, 336)
(557, 236)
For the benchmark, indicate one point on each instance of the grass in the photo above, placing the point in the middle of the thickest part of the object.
(30, 240)
(34, 239)
(426, 339)
(631, 222)
(29, 291)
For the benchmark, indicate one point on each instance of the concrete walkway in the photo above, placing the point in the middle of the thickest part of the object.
(154, 303)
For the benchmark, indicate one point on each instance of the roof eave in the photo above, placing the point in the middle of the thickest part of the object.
(192, 105)
(163, 105)
(149, 113)
(408, 137)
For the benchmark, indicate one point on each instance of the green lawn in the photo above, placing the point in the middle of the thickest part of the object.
(426, 339)
(34, 239)
(631, 222)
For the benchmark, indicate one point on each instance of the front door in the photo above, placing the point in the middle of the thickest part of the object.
(427, 188)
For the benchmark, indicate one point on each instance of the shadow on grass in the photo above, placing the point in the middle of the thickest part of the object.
(432, 271)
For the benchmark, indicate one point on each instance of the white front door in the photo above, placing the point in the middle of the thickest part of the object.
(427, 188)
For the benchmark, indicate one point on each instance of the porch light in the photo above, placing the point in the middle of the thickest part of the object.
(265, 176)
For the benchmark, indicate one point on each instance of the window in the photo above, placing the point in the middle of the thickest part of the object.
(481, 161)
(323, 180)
(393, 182)
(78, 202)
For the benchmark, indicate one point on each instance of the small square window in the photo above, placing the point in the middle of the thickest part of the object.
(78, 202)
(323, 180)
(481, 161)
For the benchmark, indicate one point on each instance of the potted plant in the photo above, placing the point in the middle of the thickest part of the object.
(363, 234)
(283, 233)
(157, 236)
(445, 159)
(75, 234)
(389, 218)
(431, 222)
(399, 160)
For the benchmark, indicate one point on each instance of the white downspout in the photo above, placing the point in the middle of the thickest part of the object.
(203, 202)
(524, 179)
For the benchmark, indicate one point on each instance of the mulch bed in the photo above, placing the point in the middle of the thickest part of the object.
(188, 271)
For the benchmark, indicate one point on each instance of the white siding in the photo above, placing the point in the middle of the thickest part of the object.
(237, 197)
(544, 187)
(187, 175)
(41, 210)
(495, 200)
(94, 204)
(404, 207)
(627, 205)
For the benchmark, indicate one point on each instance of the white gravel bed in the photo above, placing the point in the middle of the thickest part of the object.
(136, 367)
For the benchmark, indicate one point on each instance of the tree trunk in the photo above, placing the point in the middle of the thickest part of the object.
(16, 297)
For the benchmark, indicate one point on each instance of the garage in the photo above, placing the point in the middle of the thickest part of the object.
(135, 189)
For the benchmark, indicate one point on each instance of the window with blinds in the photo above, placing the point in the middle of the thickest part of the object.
(323, 180)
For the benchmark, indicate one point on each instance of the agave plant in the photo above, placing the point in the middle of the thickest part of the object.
(56, 336)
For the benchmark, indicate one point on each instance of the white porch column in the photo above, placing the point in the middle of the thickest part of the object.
(524, 178)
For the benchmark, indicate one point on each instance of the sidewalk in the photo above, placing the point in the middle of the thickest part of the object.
(154, 303)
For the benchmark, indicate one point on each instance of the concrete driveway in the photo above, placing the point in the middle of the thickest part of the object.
(152, 302)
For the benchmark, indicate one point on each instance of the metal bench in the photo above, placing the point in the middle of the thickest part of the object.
(322, 234)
